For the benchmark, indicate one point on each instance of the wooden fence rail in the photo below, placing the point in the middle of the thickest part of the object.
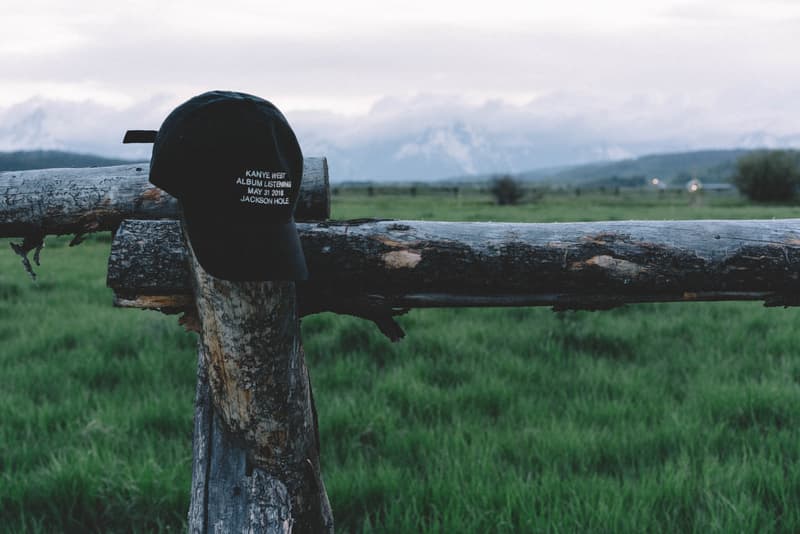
(375, 268)
(79, 201)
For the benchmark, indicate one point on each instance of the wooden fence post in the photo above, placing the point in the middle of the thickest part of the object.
(256, 442)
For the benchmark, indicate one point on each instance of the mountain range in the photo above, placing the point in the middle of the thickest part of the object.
(463, 152)
(434, 137)
(676, 168)
(21, 160)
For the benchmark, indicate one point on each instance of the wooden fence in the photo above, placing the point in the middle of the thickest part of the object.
(256, 445)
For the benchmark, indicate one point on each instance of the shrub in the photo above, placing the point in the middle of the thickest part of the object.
(768, 175)
(505, 190)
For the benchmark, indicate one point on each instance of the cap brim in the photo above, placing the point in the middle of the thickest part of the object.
(268, 251)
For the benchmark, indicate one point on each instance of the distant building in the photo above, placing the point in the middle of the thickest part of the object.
(721, 188)
(694, 185)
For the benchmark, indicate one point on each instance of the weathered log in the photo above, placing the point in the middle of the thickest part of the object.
(225, 497)
(386, 265)
(257, 441)
(79, 201)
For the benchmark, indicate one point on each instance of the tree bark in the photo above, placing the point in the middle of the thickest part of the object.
(80, 201)
(400, 264)
(256, 441)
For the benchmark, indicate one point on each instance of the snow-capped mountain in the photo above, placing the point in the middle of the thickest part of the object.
(427, 138)
(450, 149)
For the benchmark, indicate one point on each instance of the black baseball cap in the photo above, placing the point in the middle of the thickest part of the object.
(235, 165)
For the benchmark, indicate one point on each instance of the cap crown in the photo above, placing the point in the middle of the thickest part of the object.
(235, 164)
(233, 153)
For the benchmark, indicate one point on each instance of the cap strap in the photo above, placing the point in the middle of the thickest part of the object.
(140, 136)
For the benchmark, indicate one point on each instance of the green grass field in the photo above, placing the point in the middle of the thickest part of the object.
(648, 418)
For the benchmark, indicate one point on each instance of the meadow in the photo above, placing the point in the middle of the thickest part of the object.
(658, 418)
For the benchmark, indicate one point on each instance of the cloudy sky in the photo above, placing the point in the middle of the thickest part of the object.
(562, 82)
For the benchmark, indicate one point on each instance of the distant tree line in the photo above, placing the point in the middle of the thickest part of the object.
(768, 175)
(763, 176)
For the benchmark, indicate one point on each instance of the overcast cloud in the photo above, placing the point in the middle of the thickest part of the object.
(566, 82)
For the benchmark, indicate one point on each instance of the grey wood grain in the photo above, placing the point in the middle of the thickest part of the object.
(79, 201)
(262, 470)
(397, 264)
(225, 497)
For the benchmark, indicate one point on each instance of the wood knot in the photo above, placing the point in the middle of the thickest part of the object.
(402, 259)
(154, 194)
